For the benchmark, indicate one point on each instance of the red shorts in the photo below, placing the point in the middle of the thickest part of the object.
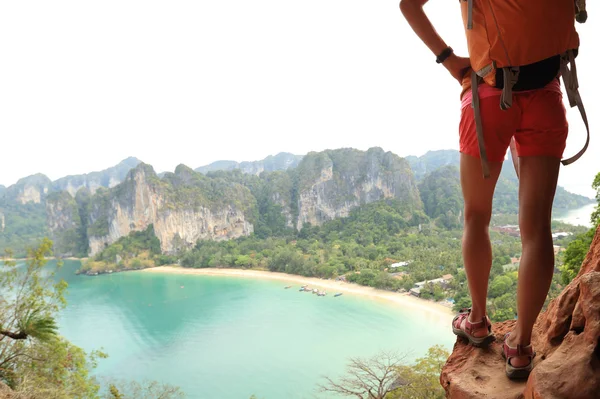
(537, 120)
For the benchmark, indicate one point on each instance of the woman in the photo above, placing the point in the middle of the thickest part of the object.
(537, 124)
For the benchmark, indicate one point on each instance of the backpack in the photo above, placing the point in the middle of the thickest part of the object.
(517, 45)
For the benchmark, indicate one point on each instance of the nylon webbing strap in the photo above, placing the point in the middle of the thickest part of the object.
(469, 14)
(571, 83)
(485, 166)
(511, 75)
(514, 155)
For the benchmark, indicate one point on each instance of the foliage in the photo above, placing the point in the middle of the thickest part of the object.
(368, 241)
(145, 390)
(442, 197)
(137, 250)
(423, 376)
(373, 378)
(505, 196)
(578, 248)
(68, 234)
(575, 254)
(33, 359)
(24, 225)
(595, 218)
(83, 198)
(98, 209)
(387, 376)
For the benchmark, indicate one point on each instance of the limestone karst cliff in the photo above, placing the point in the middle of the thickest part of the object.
(284, 192)
(109, 177)
(272, 163)
(184, 207)
(331, 183)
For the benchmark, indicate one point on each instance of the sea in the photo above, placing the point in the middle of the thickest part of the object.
(229, 338)
(578, 217)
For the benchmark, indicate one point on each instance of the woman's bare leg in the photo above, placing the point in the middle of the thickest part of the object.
(537, 186)
(477, 249)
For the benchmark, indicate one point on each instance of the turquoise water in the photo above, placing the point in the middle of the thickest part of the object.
(228, 337)
(578, 217)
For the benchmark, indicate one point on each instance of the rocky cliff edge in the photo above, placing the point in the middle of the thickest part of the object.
(565, 337)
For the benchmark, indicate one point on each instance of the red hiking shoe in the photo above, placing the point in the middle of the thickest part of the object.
(509, 352)
(462, 327)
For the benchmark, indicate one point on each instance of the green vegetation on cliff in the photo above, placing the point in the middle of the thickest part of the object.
(506, 195)
(355, 173)
(24, 224)
(442, 196)
(65, 224)
(580, 245)
(189, 189)
(138, 250)
(289, 191)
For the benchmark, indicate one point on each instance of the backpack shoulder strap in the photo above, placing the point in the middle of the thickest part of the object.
(569, 77)
(485, 166)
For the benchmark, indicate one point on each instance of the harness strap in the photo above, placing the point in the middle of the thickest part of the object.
(511, 76)
(469, 14)
(569, 77)
(514, 156)
(485, 166)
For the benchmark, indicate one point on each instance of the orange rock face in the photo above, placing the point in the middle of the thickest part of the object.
(566, 338)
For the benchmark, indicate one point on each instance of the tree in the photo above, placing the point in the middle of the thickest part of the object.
(423, 376)
(595, 218)
(145, 390)
(579, 247)
(500, 285)
(34, 361)
(372, 378)
(386, 376)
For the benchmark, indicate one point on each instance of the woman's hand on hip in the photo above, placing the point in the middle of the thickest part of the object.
(457, 66)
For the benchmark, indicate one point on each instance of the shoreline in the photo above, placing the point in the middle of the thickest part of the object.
(401, 299)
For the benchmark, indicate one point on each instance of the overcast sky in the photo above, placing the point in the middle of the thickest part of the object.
(86, 84)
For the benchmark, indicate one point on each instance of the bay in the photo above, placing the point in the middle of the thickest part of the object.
(577, 217)
(229, 338)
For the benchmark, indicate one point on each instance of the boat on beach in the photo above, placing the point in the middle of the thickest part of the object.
(338, 294)
(289, 286)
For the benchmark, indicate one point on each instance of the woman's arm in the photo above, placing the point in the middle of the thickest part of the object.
(421, 25)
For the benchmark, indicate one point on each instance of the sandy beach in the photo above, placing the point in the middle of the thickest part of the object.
(403, 300)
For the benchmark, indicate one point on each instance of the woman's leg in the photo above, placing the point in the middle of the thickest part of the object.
(477, 250)
(537, 186)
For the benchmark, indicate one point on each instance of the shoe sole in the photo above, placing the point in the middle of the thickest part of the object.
(514, 373)
(478, 342)
(518, 374)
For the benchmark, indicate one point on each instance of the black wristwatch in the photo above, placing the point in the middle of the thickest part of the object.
(445, 54)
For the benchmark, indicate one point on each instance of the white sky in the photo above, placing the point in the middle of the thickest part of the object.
(86, 84)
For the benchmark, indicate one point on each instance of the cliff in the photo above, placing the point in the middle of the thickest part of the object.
(272, 163)
(92, 181)
(506, 194)
(64, 224)
(331, 183)
(184, 207)
(29, 189)
(270, 197)
(566, 338)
